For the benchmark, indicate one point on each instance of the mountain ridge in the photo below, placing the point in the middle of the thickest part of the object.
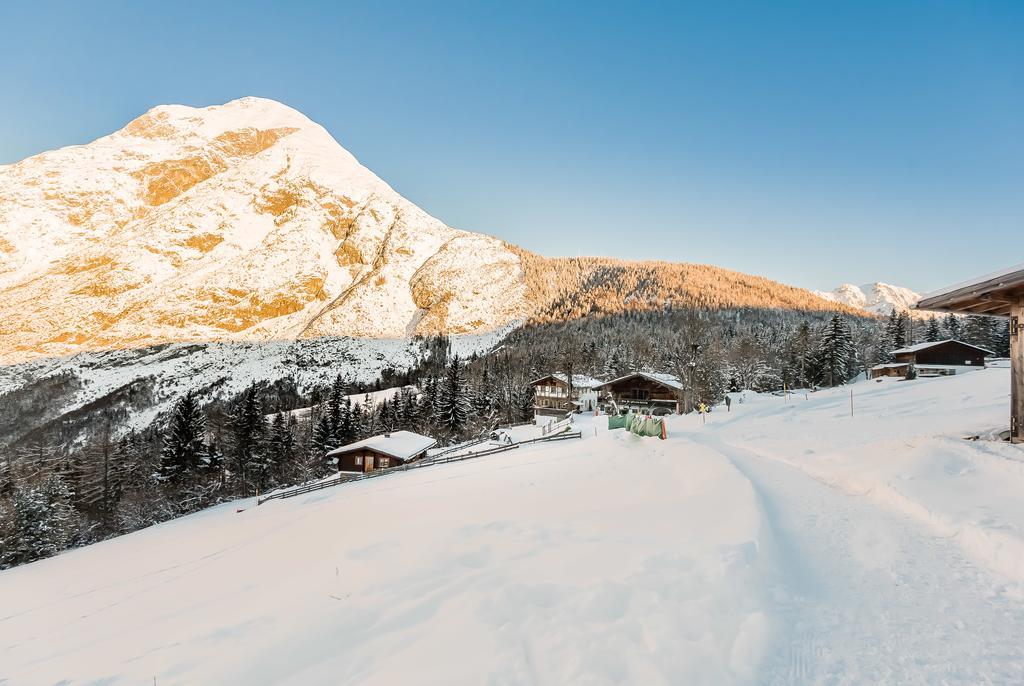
(877, 297)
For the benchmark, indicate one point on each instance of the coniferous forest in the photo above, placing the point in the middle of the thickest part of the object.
(124, 475)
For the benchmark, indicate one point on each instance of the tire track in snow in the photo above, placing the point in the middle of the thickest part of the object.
(870, 596)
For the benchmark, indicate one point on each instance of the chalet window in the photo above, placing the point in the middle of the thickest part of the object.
(384, 462)
(359, 460)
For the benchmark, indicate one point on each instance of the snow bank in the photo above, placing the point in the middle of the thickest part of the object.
(612, 559)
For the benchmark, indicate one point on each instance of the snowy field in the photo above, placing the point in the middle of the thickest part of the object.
(781, 543)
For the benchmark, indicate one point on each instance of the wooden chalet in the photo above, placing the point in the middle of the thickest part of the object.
(552, 396)
(646, 391)
(1000, 294)
(381, 452)
(938, 358)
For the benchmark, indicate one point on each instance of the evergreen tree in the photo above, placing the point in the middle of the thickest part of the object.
(953, 326)
(39, 522)
(932, 332)
(980, 331)
(452, 407)
(428, 400)
(836, 354)
(213, 461)
(335, 407)
(525, 403)
(323, 441)
(896, 331)
(183, 447)
(248, 430)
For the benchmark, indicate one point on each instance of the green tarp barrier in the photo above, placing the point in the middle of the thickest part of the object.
(646, 426)
(618, 421)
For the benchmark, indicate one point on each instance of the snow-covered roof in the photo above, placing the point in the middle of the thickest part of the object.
(578, 380)
(964, 296)
(891, 365)
(917, 347)
(657, 377)
(402, 445)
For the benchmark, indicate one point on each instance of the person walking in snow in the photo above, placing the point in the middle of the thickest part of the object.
(728, 404)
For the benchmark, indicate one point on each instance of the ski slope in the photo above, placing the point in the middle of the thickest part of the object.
(785, 542)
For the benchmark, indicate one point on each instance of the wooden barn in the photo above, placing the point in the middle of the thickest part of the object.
(381, 452)
(552, 396)
(938, 358)
(646, 391)
(1000, 294)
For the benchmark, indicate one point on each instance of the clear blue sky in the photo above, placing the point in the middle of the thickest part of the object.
(812, 142)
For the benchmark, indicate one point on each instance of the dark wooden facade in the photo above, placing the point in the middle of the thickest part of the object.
(367, 460)
(1000, 294)
(953, 353)
(639, 391)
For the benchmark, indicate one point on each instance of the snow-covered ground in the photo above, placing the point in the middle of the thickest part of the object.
(785, 542)
(569, 563)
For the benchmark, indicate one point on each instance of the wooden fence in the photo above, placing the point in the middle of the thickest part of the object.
(430, 462)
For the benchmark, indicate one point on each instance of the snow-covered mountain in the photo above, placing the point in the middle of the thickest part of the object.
(240, 222)
(877, 298)
(247, 222)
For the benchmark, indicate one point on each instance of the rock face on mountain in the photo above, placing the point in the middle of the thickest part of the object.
(239, 222)
(248, 222)
(876, 298)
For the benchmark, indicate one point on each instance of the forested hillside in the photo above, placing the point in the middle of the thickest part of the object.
(566, 288)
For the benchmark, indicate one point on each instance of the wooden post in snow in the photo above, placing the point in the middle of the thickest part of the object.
(1017, 371)
(851, 402)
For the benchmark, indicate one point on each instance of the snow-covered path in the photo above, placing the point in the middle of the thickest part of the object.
(871, 596)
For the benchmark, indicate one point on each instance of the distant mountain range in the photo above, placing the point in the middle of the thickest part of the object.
(876, 298)
(247, 222)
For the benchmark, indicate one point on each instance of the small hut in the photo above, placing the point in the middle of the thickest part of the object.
(381, 452)
(938, 358)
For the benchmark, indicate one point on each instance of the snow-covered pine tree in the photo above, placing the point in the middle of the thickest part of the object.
(409, 410)
(323, 439)
(335, 402)
(613, 365)
(525, 404)
(346, 430)
(932, 331)
(358, 421)
(183, 448)
(452, 407)
(39, 522)
(903, 337)
(213, 462)
(835, 354)
(895, 331)
(979, 331)
(953, 326)
(248, 430)
(427, 400)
